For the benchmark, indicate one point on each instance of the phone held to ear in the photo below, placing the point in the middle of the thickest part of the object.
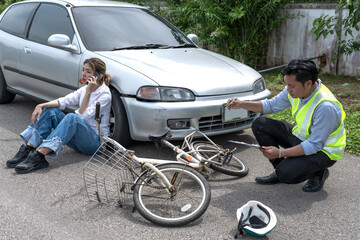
(97, 76)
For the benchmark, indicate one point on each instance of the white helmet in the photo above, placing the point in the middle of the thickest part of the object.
(255, 218)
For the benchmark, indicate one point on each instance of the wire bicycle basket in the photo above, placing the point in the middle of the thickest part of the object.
(109, 173)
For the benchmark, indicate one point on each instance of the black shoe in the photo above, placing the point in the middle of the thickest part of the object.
(271, 179)
(315, 184)
(20, 156)
(32, 163)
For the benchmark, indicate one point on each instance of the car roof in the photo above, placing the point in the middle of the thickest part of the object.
(78, 3)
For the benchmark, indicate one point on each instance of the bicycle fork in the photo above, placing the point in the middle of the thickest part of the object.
(165, 182)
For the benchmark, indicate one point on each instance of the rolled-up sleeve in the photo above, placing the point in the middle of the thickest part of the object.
(72, 99)
(89, 113)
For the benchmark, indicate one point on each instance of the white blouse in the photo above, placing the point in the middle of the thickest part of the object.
(102, 95)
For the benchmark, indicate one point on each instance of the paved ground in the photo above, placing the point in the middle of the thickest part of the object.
(51, 203)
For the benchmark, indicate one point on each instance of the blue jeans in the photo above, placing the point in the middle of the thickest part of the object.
(68, 130)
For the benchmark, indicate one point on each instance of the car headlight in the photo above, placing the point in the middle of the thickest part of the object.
(259, 86)
(164, 94)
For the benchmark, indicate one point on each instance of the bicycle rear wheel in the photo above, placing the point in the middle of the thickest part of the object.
(229, 165)
(188, 201)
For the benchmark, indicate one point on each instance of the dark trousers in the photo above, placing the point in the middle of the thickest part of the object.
(270, 132)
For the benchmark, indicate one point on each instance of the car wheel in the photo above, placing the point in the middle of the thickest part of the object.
(119, 126)
(5, 95)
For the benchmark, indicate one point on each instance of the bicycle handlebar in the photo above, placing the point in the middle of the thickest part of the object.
(97, 111)
(98, 120)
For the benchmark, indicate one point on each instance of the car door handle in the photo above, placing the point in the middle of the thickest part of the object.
(27, 50)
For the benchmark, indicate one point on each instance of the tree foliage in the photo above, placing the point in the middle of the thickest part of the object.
(325, 25)
(235, 28)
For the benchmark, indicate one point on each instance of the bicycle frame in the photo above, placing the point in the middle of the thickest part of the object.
(145, 162)
(192, 157)
(114, 172)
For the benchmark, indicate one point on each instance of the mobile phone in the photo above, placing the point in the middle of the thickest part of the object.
(97, 76)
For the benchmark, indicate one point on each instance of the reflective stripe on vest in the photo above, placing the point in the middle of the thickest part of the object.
(336, 142)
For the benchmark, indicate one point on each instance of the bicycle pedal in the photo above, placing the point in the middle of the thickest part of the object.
(208, 169)
(204, 174)
(205, 171)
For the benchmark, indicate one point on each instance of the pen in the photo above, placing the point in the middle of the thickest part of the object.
(231, 102)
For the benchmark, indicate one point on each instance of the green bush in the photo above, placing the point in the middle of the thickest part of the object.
(326, 25)
(235, 28)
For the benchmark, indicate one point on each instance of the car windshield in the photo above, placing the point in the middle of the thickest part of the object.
(121, 28)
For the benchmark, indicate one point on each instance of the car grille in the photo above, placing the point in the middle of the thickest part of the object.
(215, 123)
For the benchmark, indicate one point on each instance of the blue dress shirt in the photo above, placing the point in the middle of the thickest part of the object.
(325, 120)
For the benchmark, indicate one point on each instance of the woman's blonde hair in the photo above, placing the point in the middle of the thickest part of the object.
(97, 65)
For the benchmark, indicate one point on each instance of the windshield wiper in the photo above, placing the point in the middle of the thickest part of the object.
(184, 45)
(146, 46)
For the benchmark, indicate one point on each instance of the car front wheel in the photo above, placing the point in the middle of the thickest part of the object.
(119, 126)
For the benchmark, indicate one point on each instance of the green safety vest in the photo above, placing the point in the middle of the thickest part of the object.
(336, 142)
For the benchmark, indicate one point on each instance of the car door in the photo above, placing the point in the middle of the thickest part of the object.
(47, 72)
(13, 28)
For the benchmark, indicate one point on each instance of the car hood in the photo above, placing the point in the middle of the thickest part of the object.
(204, 72)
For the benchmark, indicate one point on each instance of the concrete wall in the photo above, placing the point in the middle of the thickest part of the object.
(293, 40)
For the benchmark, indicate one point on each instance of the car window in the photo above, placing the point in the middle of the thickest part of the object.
(50, 19)
(106, 28)
(16, 18)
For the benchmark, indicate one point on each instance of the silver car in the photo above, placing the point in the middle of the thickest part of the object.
(160, 77)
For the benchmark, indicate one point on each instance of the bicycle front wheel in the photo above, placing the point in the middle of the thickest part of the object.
(229, 165)
(171, 208)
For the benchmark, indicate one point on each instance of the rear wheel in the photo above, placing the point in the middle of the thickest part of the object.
(5, 95)
(186, 203)
(119, 126)
(228, 164)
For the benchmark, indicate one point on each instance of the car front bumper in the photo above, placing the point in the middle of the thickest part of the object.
(204, 114)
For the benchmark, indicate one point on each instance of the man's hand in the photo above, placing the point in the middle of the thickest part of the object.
(270, 152)
(233, 103)
(36, 114)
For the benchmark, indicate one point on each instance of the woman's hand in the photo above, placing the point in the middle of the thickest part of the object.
(38, 109)
(270, 152)
(36, 114)
(92, 84)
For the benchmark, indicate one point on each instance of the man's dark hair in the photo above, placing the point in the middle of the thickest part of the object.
(303, 69)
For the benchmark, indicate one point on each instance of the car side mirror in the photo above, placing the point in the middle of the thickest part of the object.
(62, 41)
(194, 38)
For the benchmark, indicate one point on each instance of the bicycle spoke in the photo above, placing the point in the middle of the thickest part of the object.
(220, 161)
(167, 205)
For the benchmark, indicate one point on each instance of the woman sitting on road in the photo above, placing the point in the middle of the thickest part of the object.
(77, 130)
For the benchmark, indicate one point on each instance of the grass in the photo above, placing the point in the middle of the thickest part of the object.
(347, 91)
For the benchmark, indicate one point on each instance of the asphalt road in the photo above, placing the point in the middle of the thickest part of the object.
(51, 203)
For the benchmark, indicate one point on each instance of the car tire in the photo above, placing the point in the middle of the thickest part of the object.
(119, 125)
(5, 95)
